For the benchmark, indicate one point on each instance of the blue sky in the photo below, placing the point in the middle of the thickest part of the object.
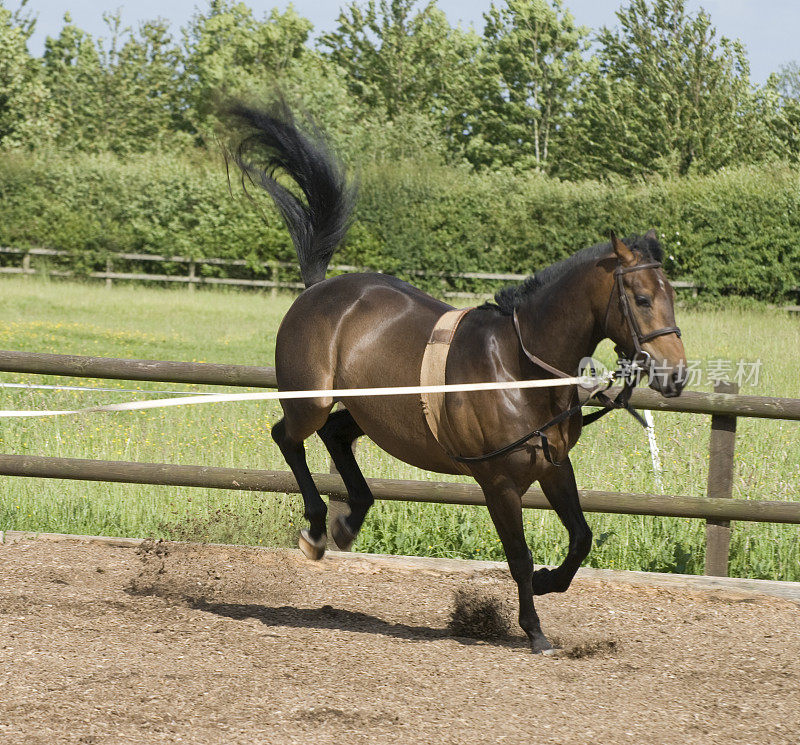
(769, 28)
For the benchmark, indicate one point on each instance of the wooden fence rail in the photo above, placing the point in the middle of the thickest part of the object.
(436, 492)
(718, 509)
(191, 278)
(156, 371)
(202, 373)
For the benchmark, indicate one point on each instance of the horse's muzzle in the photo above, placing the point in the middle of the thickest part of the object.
(669, 382)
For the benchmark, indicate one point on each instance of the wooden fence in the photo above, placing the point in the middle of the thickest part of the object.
(718, 509)
(191, 278)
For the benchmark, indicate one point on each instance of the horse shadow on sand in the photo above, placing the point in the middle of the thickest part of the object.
(338, 619)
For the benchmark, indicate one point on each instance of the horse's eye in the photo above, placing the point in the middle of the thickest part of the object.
(643, 301)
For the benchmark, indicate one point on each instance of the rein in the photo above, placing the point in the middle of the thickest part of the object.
(622, 400)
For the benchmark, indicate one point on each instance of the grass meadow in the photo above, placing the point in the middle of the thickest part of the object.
(238, 327)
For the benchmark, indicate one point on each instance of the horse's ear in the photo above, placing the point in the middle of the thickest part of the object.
(624, 254)
(651, 235)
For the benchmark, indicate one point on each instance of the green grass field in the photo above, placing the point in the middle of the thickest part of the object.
(235, 327)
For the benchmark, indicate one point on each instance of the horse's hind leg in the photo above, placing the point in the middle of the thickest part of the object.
(312, 541)
(562, 492)
(505, 507)
(338, 434)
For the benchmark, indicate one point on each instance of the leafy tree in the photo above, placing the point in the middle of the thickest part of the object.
(532, 58)
(779, 112)
(317, 88)
(141, 87)
(787, 81)
(25, 117)
(664, 95)
(228, 51)
(786, 126)
(121, 95)
(74, 74)
(408, 67)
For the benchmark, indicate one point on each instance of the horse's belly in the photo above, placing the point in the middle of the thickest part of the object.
(402, 432)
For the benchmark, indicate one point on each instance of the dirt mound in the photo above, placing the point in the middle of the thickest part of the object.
(480, 614)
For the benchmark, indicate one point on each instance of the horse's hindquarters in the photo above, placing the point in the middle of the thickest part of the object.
(361, 331)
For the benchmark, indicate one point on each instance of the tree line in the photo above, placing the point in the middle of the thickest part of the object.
(660, 93)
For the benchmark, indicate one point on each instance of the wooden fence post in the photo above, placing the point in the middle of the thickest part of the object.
(26, 264)
(192, 274)
(720, 483)
(109, 267)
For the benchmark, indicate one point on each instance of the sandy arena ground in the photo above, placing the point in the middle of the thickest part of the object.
(205, 644)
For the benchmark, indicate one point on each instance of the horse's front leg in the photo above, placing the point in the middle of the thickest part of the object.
(504, 501)
(561, 491)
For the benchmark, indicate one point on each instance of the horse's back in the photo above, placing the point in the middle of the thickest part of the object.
(353, 329)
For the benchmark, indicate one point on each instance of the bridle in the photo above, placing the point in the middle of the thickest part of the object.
(640, 358)
(630, 375)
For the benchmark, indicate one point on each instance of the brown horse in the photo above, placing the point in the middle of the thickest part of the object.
(371, 330)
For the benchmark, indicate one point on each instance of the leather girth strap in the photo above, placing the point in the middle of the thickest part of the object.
(434, 364)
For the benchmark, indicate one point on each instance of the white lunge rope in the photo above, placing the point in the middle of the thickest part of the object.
(160, 403)
(655, 456)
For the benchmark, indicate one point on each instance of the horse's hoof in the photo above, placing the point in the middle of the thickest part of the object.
(314, 550)
(342, 536)
(540, 645)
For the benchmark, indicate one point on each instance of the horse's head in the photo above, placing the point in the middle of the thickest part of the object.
(640, 315)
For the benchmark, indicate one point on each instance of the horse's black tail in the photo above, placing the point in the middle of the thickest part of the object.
(273, 143)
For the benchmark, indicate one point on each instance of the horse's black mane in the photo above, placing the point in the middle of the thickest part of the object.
(511, 297)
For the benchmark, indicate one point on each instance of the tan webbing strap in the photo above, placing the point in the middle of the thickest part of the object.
(434, 363)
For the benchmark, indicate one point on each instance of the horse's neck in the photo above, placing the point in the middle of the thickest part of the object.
(559, 324)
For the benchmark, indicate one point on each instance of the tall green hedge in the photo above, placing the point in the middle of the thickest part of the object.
(735, 232)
